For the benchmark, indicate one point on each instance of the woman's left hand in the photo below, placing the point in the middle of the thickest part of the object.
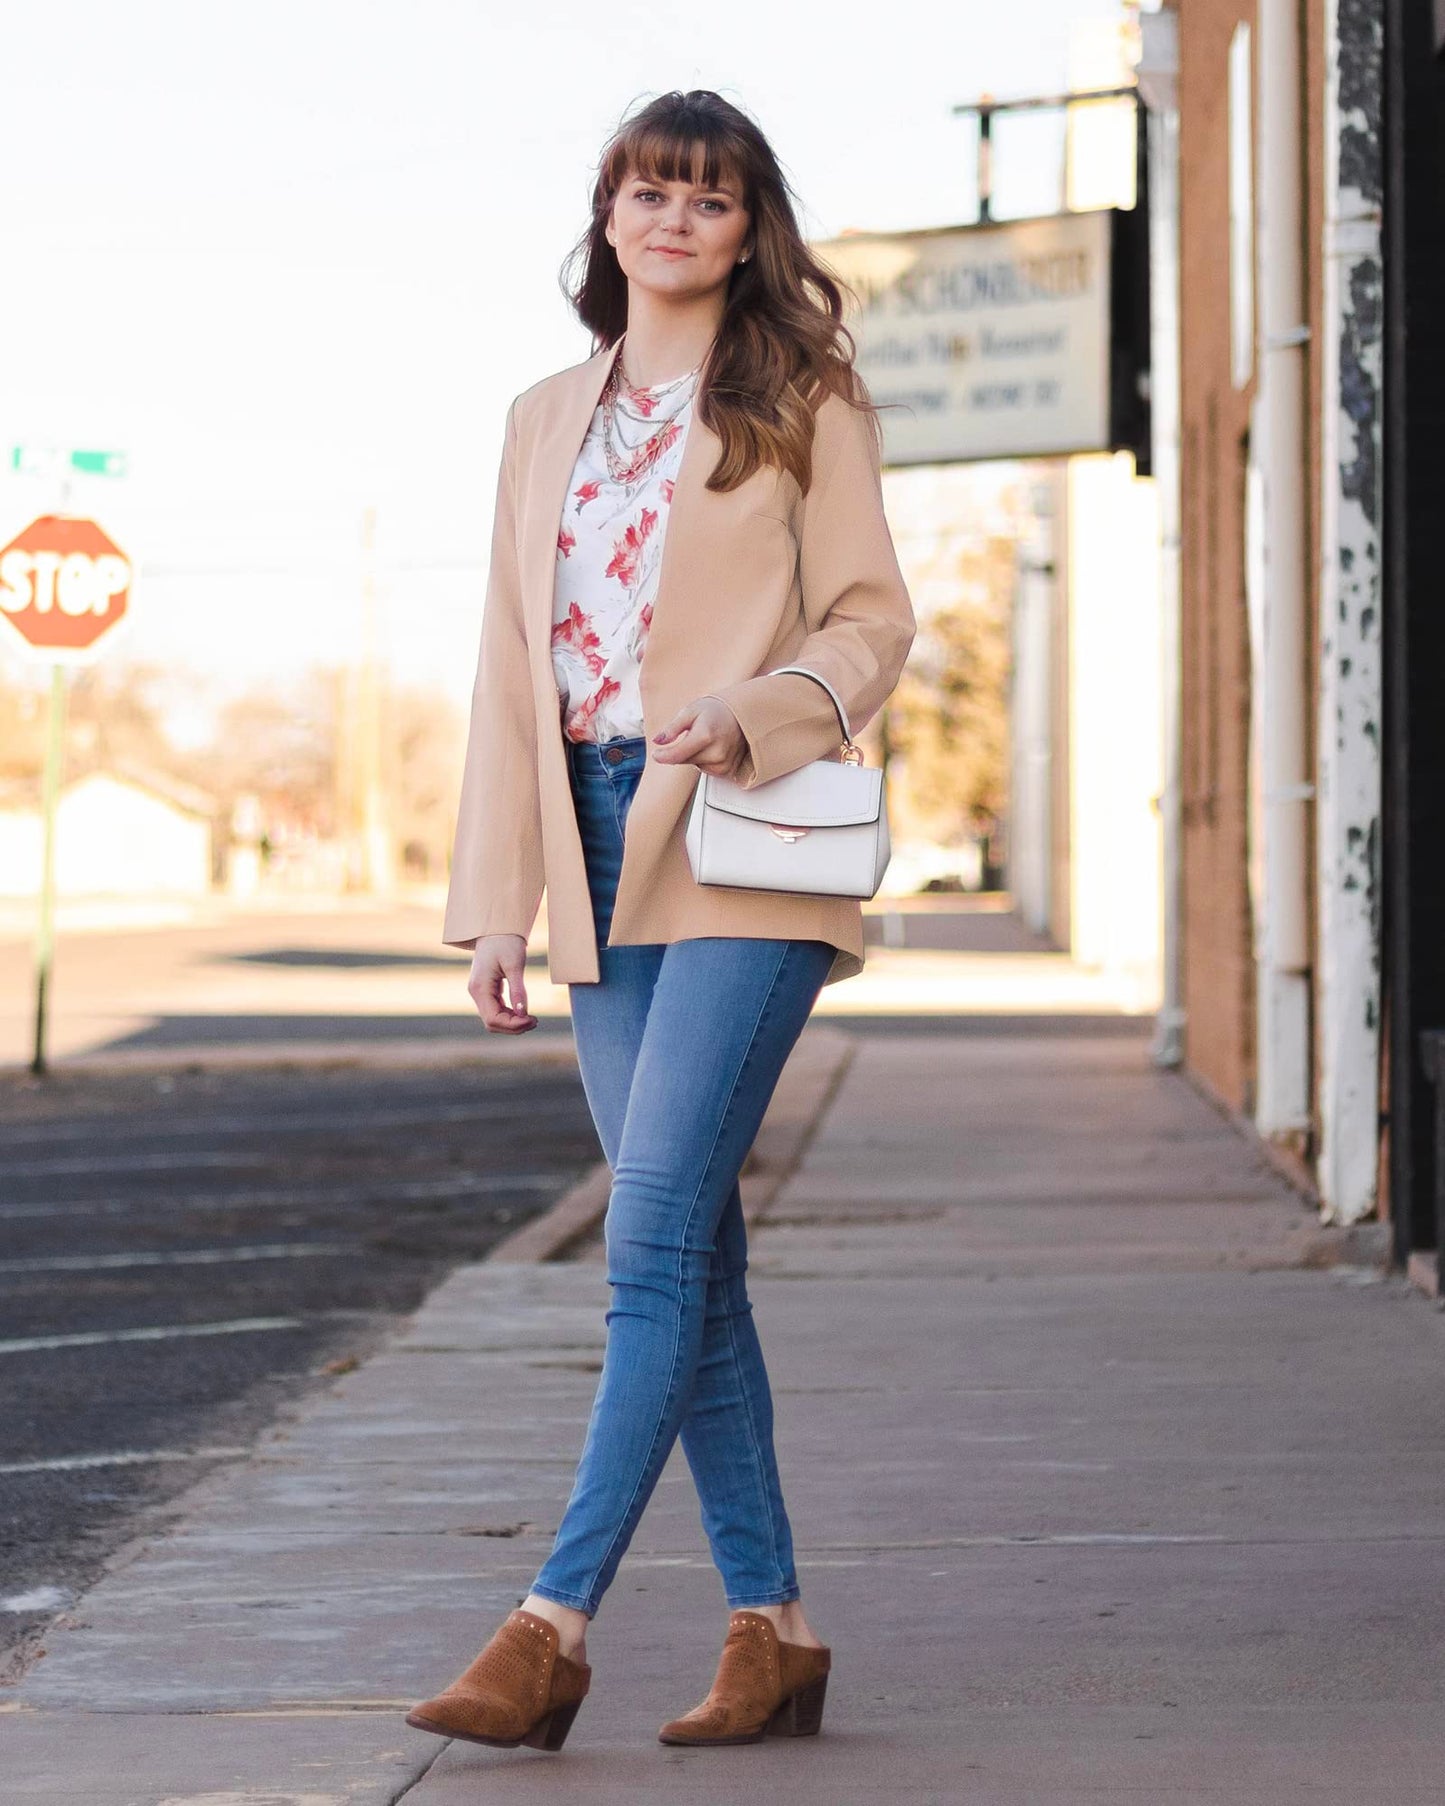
(707, 734)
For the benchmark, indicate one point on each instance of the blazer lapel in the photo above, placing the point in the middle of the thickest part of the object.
(561, 428)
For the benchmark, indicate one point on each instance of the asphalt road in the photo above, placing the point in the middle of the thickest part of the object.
(181, 1253)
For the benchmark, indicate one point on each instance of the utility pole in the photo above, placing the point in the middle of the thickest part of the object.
(374, 842)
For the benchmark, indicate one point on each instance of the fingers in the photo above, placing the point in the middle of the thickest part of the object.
(516, 975)
(502, 1016)
(680, 724)
(681, 745)
(706, 734)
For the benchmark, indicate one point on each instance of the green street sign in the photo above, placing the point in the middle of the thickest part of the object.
(99, 463)
(47, 460)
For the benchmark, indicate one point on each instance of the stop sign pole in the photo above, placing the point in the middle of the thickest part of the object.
(64, 585)
(45, 919)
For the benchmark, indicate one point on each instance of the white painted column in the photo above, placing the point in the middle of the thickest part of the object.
(1030, 828)
(1114, 747)
(1277, 552)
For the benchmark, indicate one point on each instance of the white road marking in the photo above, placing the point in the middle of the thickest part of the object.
(38, 1599)
(96, 1338)
(179, 1257)
(93, 1128)
(130, 1163)
(66, 1464)
(469, 1185)
(266, 1796)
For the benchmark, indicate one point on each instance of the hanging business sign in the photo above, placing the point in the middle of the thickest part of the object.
(987, 341)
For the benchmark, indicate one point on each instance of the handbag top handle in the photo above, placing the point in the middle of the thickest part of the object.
(852, 755)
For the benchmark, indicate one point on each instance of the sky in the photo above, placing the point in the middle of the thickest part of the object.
(295, 257)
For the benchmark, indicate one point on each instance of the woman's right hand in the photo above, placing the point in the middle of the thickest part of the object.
(495, 957)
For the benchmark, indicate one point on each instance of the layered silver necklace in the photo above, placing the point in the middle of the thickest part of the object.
(633, 436)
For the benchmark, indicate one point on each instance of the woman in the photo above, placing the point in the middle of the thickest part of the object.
(723, 423)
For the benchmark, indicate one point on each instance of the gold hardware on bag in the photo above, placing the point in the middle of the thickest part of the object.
(790, 834)
(851, 754)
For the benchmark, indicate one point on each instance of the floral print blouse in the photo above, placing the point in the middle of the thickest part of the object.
(609, 552)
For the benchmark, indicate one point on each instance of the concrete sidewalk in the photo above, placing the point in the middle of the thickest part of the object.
(1098, 1496)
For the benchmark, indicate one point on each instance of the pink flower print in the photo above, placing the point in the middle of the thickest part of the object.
(641, 627)
(655, 448)
(581, 718)
(578, 632)
(565, 542)
(587, 492)
(651, 452)
(667, 486)
(627, 551)
(642, 399)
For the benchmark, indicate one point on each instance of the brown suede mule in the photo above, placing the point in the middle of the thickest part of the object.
(520, 1689)
(762, 1686)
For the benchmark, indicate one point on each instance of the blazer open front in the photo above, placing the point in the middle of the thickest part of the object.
(758, 577)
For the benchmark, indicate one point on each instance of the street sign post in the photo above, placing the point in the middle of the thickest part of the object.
(64, 585)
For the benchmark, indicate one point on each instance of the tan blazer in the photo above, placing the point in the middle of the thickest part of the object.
(758, 577)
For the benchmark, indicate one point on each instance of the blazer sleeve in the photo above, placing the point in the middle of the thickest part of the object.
(853, 587)
(497, 873)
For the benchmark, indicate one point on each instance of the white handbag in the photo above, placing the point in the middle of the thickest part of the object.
(821, 830)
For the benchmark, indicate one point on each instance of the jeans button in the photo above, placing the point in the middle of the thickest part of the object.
(612, 754)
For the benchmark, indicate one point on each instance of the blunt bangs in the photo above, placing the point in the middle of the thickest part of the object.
(703, 155)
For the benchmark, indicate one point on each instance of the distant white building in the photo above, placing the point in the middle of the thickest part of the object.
(118, 834)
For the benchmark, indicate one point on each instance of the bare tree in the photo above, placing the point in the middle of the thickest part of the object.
(948, 719)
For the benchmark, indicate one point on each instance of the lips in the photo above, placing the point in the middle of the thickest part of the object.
(669, 251)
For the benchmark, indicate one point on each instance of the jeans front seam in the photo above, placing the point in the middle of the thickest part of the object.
(755, 1443)
(671, 1389)
(619, 814)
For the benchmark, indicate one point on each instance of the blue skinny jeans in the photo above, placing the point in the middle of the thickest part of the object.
(680, 1047)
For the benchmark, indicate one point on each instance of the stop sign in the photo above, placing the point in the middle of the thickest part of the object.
(64, 583)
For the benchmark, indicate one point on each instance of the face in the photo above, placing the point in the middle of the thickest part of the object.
(678, 239)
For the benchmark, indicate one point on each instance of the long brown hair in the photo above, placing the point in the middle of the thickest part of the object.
(781, 348)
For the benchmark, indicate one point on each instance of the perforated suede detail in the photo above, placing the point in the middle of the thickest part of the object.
(517, 1679)
(756, 1673)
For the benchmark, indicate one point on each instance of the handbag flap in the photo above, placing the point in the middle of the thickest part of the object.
(823, 794)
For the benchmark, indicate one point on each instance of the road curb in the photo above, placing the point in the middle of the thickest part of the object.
(806, 1088)
(559, 1229)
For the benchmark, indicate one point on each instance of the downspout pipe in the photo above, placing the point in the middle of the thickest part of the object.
(1158, 76)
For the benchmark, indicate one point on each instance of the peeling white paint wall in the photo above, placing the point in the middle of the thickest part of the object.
(1350, 695)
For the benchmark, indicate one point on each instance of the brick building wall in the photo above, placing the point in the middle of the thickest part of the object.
(1217, 925)
(1215, 929)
